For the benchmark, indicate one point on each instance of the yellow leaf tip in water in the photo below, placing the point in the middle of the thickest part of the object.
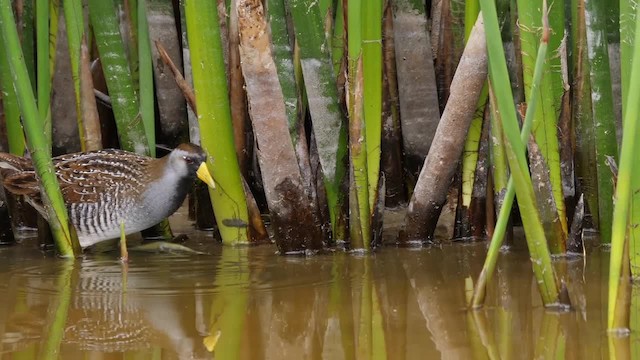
(211, 341)
(124, 253)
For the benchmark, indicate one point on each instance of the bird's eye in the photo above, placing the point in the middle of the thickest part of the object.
(188, 160)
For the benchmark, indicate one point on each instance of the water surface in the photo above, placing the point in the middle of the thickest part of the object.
(407, 303)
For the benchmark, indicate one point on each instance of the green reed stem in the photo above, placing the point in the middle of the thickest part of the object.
(372, 77)
(43, 67)
(283, 57)
(326, 117)
(536, 241)
(626, 177)
(54, 19)
(505, 210)
(627, 37)
(472, 144)
(214, 116)
(545, 128)
(359, 209)
(74, 22)
(124, 99)
(15, 136)
(27, 37)
(146, 88)
(338, 39)
(38, 146)
(603, 110)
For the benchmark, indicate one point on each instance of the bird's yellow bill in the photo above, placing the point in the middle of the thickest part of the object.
(204, 175)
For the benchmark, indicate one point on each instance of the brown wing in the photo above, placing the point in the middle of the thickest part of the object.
(22, 183)
(17, 174)
(10, 164)
(84, 176)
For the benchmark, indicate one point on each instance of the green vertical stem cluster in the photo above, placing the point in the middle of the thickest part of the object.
(508, 194)
(292, 85)
(10, 105)
(359, 209)
(54, 12)
(471, 146)
(627, 177)
(287, 194)
(43, 69)
(74, 21)
(40, 151)
(327, 119)
(283, 57)
(129, 20)
(470, 154)
(372, 77)
(471, 11)
(556, 18)
(124, 99)
(214, 117)
(603, 111)
(26, 32)
(538, 248)
(499, 165)
(338, 41)
(627, 38)
(585, 161)
(326, 12)
(548, 111)
(145, 67)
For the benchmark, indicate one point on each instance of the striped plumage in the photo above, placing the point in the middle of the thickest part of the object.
(103, 188)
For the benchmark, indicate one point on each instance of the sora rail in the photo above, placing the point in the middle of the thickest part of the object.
(104, 188)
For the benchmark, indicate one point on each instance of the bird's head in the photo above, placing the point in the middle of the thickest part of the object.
(190, 160)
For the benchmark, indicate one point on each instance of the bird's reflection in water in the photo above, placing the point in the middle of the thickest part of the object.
(146, 308)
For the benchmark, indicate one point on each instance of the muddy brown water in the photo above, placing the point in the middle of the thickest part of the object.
(405, 303)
